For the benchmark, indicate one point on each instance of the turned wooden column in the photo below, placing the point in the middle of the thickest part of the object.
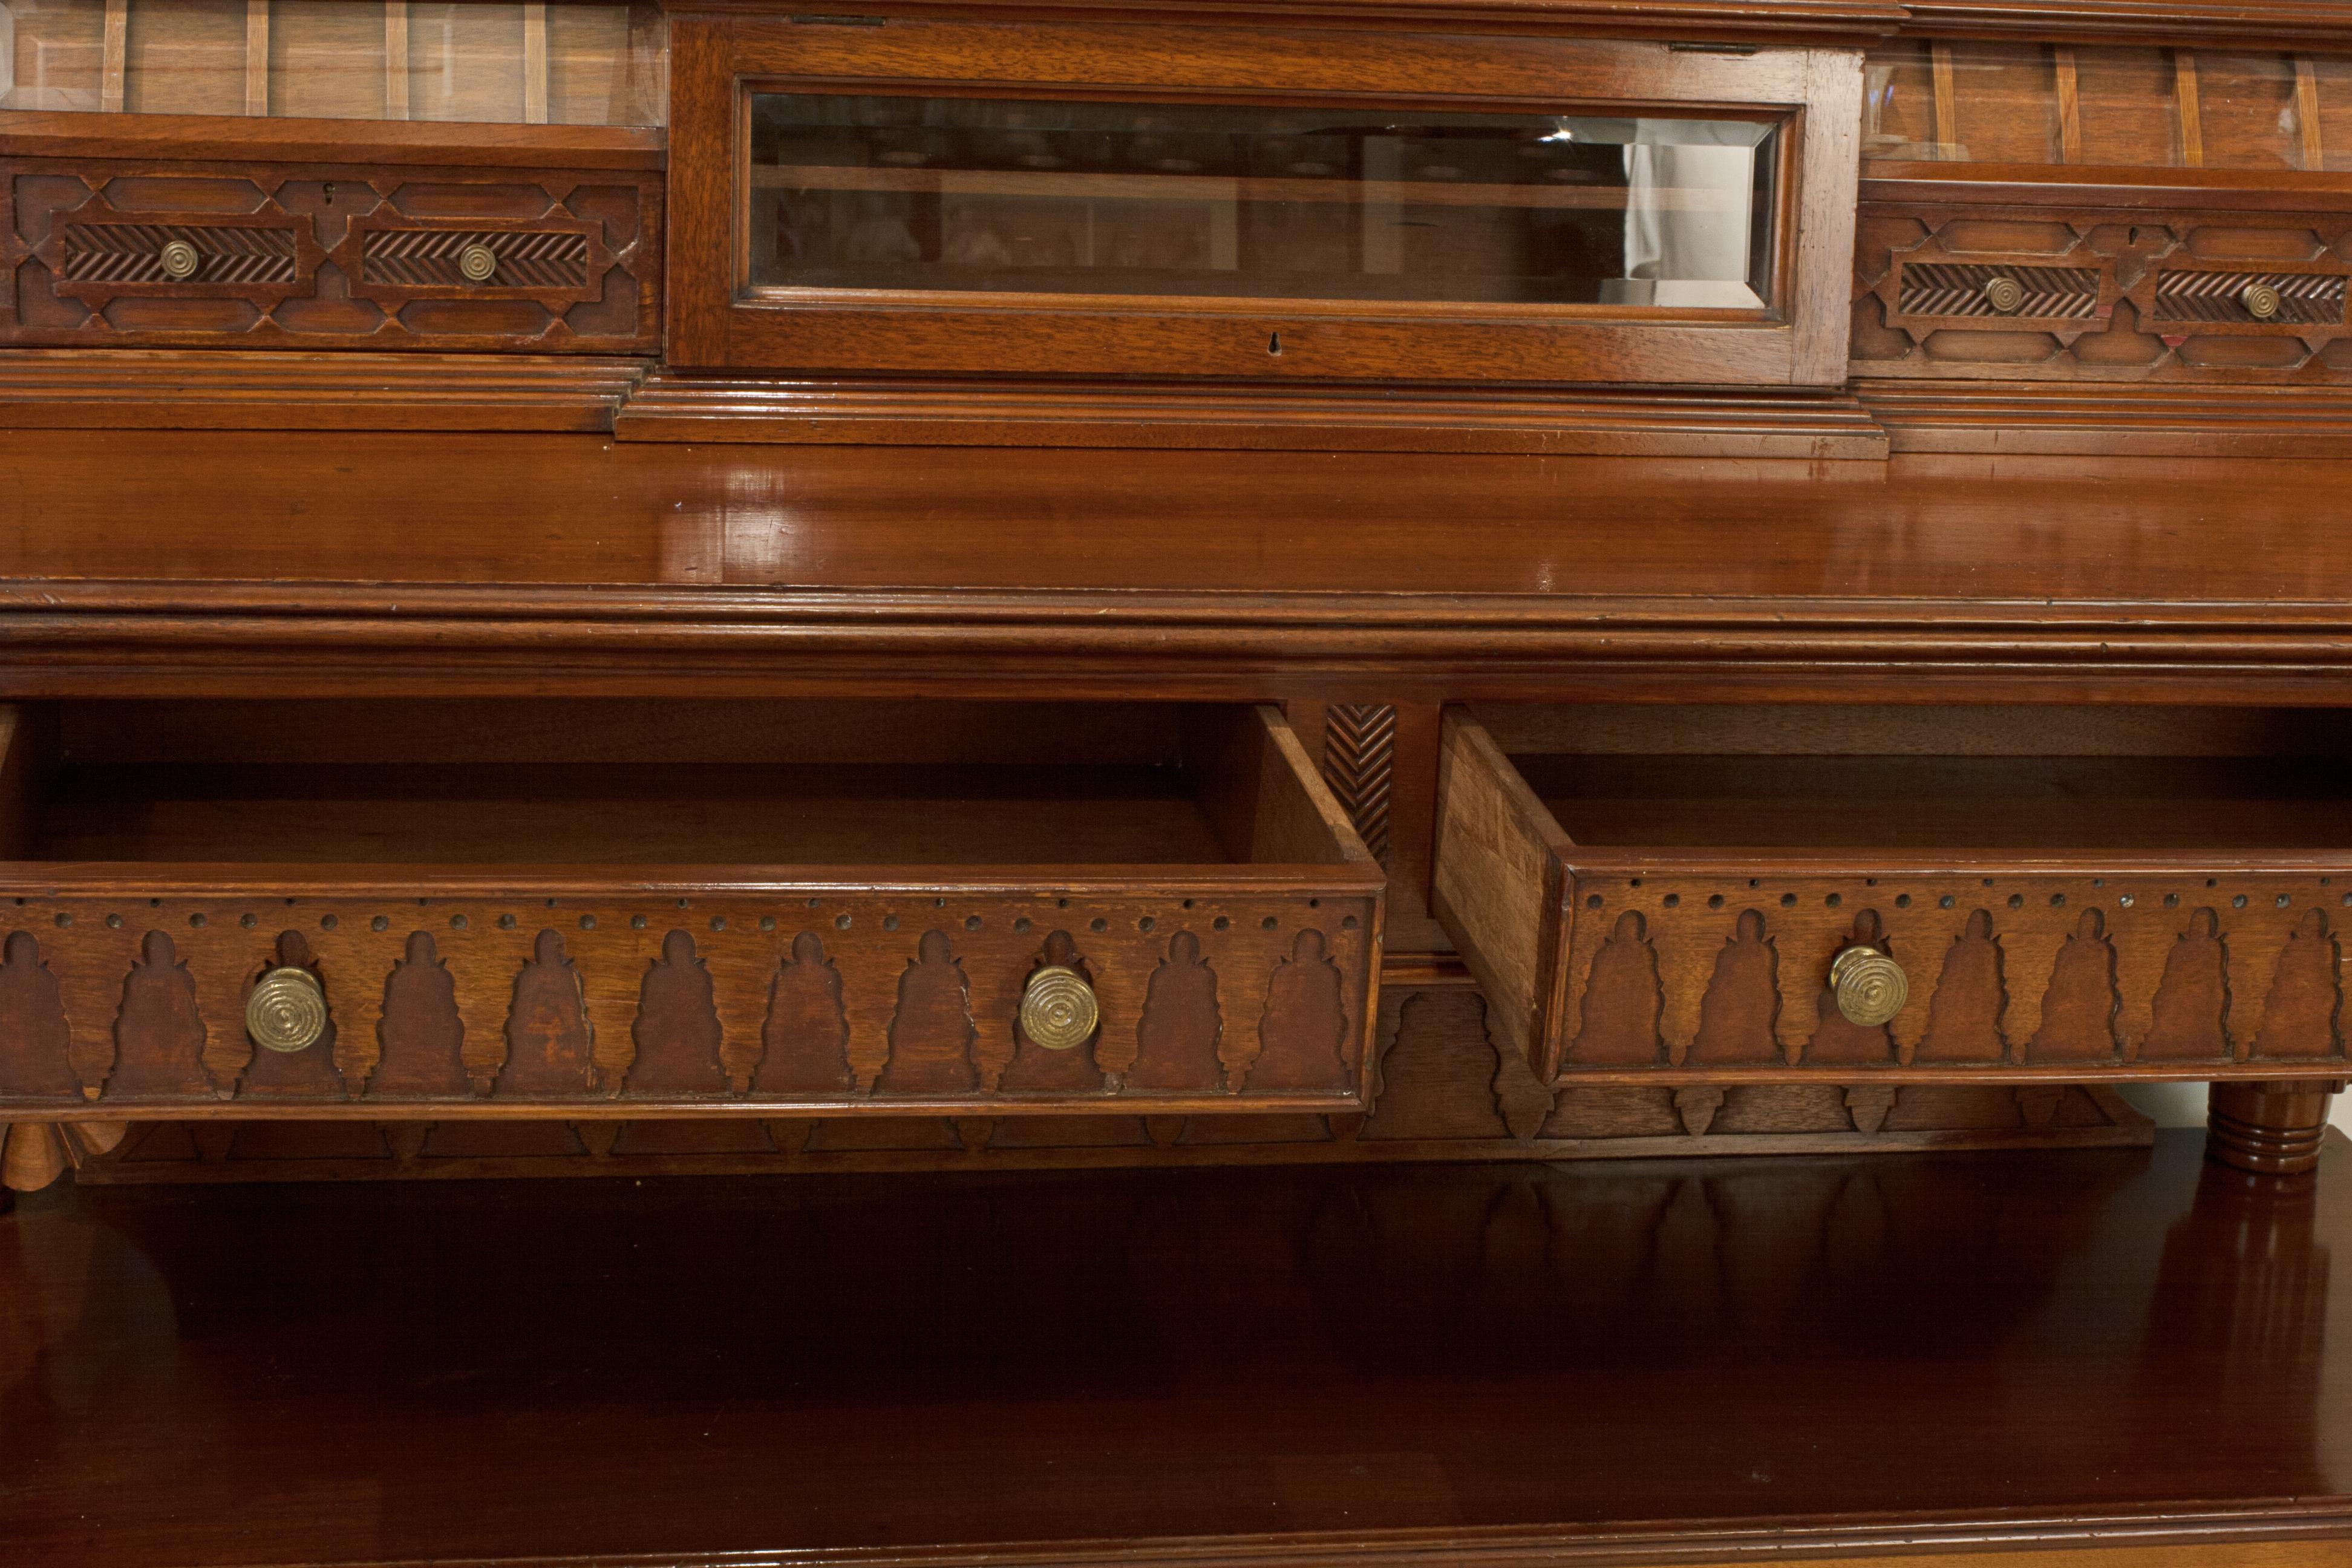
(2270, 1129)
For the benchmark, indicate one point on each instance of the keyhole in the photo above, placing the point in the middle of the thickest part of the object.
(331, 193)
(1274, 343)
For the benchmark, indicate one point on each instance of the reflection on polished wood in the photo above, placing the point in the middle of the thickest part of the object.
(390, 560)
(2036, 1348)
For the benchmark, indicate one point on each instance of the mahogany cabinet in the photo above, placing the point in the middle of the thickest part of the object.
(967, 586)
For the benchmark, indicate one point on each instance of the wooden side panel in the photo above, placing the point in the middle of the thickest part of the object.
(1264, 795)
(1501, 887)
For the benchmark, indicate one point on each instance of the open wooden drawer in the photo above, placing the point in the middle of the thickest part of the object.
(1724, 894)
(309, 909)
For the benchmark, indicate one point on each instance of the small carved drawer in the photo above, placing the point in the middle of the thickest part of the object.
(262, 255)
(1744, 894)
(502, 909)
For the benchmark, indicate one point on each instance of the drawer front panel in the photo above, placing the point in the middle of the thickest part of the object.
(869, 998)
(102, 254)
(435, 259)
(1704, 965)
(120, 253)
(2210, 296)
(2128, 289)
(2130, 973)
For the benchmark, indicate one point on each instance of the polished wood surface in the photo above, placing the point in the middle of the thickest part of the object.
(198, 562)
(1314, 1365)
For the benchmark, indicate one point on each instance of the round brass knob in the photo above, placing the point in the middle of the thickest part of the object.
(1871, 987)
(2262, 301)
(287, 1012)
(178, 260)
(479, 263)
(1057, 1010)
(2004, 294)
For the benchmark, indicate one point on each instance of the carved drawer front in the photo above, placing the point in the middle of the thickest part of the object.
(1705, 895)
(254, 256)
(2124, 288)
(307, 912)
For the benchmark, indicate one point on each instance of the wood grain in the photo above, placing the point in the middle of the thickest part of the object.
(1445, 1090)
(2051, 956)
(1112, 1298)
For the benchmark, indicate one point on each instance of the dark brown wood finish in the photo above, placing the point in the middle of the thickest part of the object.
(1446, 1090)
(2084, 910)
(231, 563)
(1777, 21)
(683, 931)
(717, 323)
(353, 256)
(2138, 280)
(287, 390)
(1143, 1366)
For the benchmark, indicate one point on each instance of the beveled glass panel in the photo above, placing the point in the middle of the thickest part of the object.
(1065, 196)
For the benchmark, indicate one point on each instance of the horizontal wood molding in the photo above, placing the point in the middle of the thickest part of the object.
(171, 638)
(669, 406)
(2296, 23)
(30, 134)
(1778, 21)
(2073, 185)
(2080, 418)
(169, 390)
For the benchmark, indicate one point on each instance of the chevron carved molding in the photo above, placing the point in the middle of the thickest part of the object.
(1359, 764)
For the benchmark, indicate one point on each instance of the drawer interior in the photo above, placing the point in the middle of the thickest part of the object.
(587, 781)
(1935, 777)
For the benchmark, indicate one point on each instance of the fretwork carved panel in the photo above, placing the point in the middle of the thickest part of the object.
(288, 256)
(2101, 294)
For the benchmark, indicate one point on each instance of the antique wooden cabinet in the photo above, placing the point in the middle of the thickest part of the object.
(954, 585)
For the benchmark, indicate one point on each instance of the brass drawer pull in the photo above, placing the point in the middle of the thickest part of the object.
(2004, 294)
(1871, 987)
(178, 260)
(287, 1011)
(1057, 1010)
(477, 263)
(2262, 301)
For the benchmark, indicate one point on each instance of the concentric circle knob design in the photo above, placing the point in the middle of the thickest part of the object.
(1871, 987)
(287, 1012)
(2004, 294)
(1057, 1010)
(477, 263)
(178, 260)
(2262, 301)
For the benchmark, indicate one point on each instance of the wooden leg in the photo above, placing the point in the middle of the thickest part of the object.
(35, 1154)
(2270, 1129)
